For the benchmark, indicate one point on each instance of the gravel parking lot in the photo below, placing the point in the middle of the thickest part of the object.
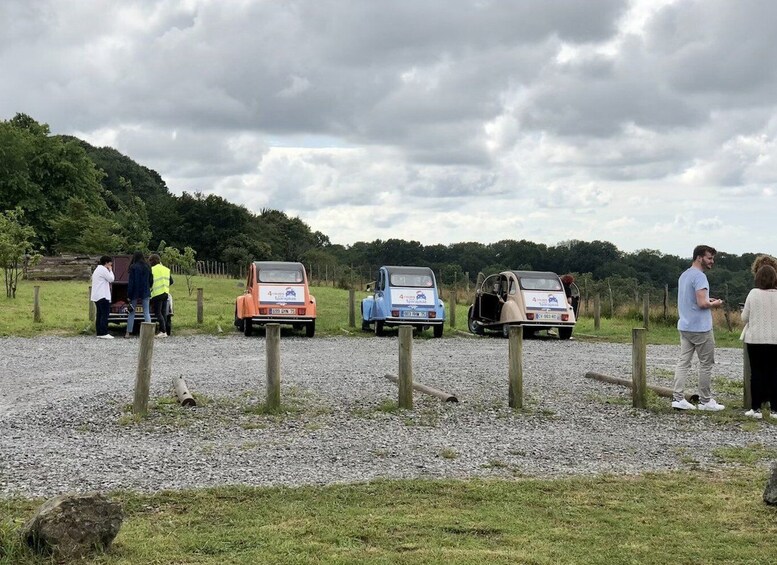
(65, 423)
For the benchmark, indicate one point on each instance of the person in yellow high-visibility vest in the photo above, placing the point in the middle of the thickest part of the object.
(160, 291)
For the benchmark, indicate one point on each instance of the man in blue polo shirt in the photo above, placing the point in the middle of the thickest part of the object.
(694, 306)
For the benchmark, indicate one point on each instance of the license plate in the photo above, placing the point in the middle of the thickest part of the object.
(413, 314)
(546, 316)
(138, 309)
(283, 311)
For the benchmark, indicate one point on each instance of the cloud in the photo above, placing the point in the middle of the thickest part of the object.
(642, 120)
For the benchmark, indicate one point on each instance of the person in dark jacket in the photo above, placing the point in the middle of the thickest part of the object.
(139, 286)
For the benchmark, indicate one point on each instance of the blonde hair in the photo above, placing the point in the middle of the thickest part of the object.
(762, 260)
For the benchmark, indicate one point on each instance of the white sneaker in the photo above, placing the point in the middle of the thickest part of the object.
(161, 335)
(753, 414)
(106, 336)
(711, 405)
(682, 405)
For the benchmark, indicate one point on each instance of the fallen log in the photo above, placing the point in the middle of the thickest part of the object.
(659, 390)
(444, 396)
(182, 391)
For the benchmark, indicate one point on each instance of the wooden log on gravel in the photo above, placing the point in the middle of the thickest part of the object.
(444, 396)
(659, 390)
(182, 392)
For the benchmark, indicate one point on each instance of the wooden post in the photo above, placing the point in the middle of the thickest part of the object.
(597, 312)
(612, 302)
(453, 307)
(638, 368)
(36, 305)
(273, 346)
(182, 392)
(351, 308)
(664, 391)
(199, 306)
(666, 300)
(143, 375)
(406, 367)
(747, 398)
(92, 307)
(515, 367)
(646, 311)
(444, 396)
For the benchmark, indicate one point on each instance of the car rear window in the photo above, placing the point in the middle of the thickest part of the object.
(280, 276)
(540, 284)
(402, 279)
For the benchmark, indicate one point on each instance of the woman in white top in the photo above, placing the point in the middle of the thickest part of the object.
(760, 336)
(102, 277)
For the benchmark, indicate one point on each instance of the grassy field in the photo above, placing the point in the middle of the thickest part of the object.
(65, 311)
(688, 517)
(681, 517)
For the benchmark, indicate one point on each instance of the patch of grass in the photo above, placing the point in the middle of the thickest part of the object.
(597, 521)
(728, 387)
(745, 455)
(449, 453)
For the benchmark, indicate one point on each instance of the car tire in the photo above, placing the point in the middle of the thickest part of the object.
(505, 331)
(438, 329)
(564, 333)
(310, 329)
(528, 332)
(248, 327)
(473, 326)
(379, 328)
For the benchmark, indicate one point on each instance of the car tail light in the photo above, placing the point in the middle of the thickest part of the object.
(529, 315)
(564, 317)
(432, 314)
(263, 311)
(301, 311)
(395, 313)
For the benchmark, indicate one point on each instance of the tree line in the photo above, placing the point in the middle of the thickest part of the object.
(78, 198)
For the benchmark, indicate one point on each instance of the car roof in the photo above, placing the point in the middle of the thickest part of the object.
(393, 269)
(279, 265)
(535, 274)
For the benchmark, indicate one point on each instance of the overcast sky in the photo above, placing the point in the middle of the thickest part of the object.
(650, 124)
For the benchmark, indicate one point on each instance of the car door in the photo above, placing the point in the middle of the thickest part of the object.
(490, 307)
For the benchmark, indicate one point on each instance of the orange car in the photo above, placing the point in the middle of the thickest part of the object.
(276, 292)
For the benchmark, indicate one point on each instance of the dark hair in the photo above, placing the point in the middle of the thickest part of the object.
(154, 259)
(766, 278)
(104, 260)
(702, 250)
(138, 257)
(567, 279)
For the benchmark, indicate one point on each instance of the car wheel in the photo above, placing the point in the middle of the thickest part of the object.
(247, 326)
(239, 323)
(564, 333)
(378, 328)
(473, 326)
(505, 331)
(438, 330)
(528, 333)
(310, 329)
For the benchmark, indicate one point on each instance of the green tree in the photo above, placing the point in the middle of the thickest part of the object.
(16, 248)
(184, 263)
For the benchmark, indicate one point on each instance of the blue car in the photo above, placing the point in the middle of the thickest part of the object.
(404, 296)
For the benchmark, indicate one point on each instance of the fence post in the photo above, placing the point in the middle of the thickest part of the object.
(406, 367)
(597, 312)
(747, 398)
(638, 368)
(143, 375)
(666, 300)
(273, 347)
(515, 367)
(91, 304)
(36, 305)
(199, 305)
(453, 307)
(646, 311)
(351, 308)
